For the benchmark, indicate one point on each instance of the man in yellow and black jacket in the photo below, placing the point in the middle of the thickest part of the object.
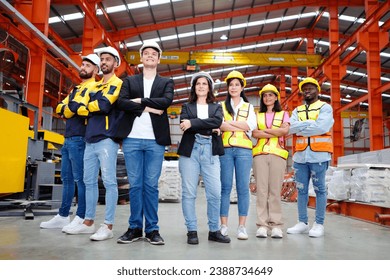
(101, 149)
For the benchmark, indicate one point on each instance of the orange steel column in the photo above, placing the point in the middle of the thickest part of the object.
(373, 40)
(310, 50)
(335, 72)
(292, 104)
(92, 36)
(37, 12)
(282, 86)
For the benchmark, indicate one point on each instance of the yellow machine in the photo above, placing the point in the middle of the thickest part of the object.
(27, 169)
(13, 151)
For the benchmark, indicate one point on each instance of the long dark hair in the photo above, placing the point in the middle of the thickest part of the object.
(228, 105)
(192, 98)
(263, 108)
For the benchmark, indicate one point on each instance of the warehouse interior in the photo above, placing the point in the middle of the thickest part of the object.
(343, 44)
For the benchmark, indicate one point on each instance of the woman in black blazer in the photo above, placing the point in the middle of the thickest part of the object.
(199, 150)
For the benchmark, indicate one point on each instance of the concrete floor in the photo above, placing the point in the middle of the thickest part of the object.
(345, 239)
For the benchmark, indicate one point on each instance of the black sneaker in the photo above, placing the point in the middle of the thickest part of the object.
(131, 235)
(154, 238)
(192, 238)
(218, 237)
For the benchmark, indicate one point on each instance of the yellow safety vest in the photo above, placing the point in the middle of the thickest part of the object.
(269, 145)
(236, 138)
(318, 143)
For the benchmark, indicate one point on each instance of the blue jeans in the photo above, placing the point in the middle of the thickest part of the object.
(143, 158)
(201, 162)
(103, 155)
(303, 173)
(72, 167)
(238, 161)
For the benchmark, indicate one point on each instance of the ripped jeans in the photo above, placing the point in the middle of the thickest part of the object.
(316, 172)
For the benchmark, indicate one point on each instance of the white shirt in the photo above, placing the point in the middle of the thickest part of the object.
(142, 127)
(202, 111)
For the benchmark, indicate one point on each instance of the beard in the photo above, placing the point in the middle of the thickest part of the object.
(106, 69)
(85, 75)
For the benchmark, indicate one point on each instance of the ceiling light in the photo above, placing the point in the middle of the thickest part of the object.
(223, 37)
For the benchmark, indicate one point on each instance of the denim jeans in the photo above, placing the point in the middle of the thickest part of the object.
(238, 161)
(303, 173)
(143, 158)
(72, 166)
(203, 163)
(103, 155)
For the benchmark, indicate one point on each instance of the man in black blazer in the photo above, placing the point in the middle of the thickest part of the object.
(144, 128)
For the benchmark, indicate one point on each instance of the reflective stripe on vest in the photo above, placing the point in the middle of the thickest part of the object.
(269, 145)
(236, 138)
(318, 143)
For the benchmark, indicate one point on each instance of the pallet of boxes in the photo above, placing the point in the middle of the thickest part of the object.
(169, 184)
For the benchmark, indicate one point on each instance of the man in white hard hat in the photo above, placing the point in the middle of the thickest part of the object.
(72, 152)
(312, 123)
(145, 129)
(101, 148)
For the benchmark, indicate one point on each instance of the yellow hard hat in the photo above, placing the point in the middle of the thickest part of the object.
(236, 74)
(269, 87)
(309, 80)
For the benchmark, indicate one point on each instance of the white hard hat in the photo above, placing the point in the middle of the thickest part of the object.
(202, 74)
(150, 44)
(113, 52)
(93, 58)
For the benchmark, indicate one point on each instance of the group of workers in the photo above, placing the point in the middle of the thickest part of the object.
(221, 143)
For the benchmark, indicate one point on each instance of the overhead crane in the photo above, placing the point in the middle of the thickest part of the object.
(261, 59)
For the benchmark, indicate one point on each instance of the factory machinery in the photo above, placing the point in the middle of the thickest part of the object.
(30, 181)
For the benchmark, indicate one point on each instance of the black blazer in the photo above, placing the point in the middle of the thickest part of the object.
(161, 97)
(205, 126)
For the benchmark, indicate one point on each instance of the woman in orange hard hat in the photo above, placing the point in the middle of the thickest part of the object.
(239, 121)
(269, 162)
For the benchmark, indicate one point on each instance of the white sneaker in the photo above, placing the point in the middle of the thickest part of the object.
(241, 233)
(224, 230)
(317, 230)
(102, 233)
(298, 228)
(261, 232)
(277, 233)
(56, 222)
(81, 229)
(76, 221)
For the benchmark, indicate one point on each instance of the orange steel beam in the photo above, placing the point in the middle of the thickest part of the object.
(106, 16)
(91, 14)
(373, 40)
(376, 15)
(354, 103)
(38, 14)
(358, 210)
(131, 32)
(60, 42)
(334, 72)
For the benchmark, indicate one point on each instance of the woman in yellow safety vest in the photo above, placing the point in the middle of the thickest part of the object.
(239, 121)
(269, 162)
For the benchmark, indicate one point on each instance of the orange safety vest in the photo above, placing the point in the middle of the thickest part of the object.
(318, 143)
(236, 138)
(270, 145)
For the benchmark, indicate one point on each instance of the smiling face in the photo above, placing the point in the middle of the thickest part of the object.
(150, 57)
(202, 87)
(310, 93)
(269, 98)
(107, 63)
(235, 88)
